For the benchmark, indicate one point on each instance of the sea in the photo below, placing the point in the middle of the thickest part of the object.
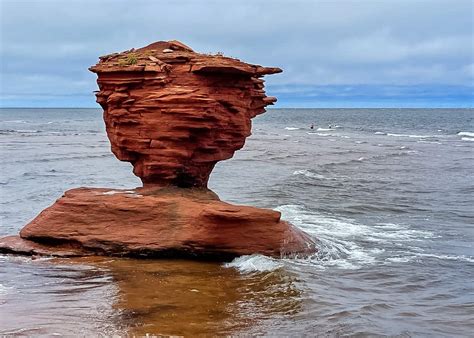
(387, 194)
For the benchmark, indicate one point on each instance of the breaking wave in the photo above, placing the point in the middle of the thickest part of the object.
(311, 174)
(466, 133)
(410, 136)
(342, 241)
(254, 263)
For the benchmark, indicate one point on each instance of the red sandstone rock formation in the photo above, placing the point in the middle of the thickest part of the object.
(157, 222)
(173, 114)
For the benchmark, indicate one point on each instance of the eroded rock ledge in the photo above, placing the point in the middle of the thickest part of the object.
(173, 113)
(155, 222)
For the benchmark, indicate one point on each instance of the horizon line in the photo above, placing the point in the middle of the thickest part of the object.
(266, 108)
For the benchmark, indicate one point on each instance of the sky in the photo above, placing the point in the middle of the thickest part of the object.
(334, 53)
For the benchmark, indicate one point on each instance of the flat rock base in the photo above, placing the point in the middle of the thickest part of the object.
(156, 222)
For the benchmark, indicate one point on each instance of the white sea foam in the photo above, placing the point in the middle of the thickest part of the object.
(323, 129)
(27, 131)
(419, 256)
(400, 259)
(379, 133)
(308, 173)
(338, 238)
(463, 258)
(432, 142)
(466, 133)
(411, 136)
(15, 121)
(254, 263)
(4, 289)
(319, 134)
(467, 139)
(291, 128)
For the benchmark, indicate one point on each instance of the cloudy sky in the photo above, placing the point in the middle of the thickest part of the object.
(334, 53)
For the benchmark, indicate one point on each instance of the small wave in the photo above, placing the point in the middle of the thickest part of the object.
(15, 121)
(408, 135)
(309, 173)
(466, 133)
(291, 128)
(432, 142)
(324, 129)
(467, 139)
(254, 263)
(4, 289)
(400, 259)
(463, 258)
(27, 131)
(379, 133)
(319, 134)
(63, 158)
(19, 131)
(418, 256)
(36, 174)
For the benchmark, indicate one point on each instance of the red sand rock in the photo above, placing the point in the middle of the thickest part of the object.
(160, 222)
(173, 114)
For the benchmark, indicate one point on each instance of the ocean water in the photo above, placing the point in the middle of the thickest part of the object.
(388, 194)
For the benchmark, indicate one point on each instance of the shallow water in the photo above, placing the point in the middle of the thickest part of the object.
(387, 194)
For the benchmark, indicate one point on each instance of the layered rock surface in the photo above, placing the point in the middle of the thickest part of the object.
(173, 114)
(156, 222)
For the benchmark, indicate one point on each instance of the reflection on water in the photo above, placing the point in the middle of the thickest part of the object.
(44, 297)
(136, 297)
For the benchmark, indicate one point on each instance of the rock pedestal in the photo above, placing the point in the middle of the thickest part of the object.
(173, 113)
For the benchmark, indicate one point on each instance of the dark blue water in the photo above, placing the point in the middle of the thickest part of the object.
(387, 193)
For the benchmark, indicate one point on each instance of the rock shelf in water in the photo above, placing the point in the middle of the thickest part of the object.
(173, 114)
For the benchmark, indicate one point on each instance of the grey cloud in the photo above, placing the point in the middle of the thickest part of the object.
(51, 43)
